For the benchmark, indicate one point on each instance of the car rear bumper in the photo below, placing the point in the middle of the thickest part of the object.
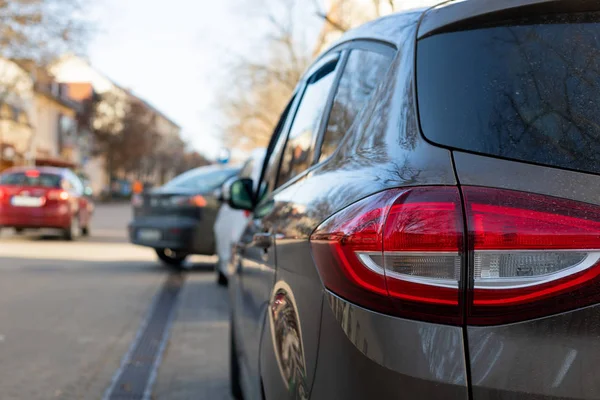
(171, 232)
(43, 217)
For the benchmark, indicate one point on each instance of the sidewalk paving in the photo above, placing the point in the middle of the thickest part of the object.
(195, 363)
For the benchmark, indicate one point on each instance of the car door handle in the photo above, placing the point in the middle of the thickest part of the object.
(263, 240)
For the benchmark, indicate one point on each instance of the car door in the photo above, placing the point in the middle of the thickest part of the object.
(253, 266)
(291, 156)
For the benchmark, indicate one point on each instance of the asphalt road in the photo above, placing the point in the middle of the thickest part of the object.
(71, 314)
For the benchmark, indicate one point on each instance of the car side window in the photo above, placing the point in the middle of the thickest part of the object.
(271, 161)
(298, 152)
(362, 73)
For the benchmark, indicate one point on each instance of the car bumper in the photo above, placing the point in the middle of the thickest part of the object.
(43, 217)
(167, 232)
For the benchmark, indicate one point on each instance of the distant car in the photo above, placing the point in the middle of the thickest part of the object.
(177, 219)
(231, 223)
(45, 197)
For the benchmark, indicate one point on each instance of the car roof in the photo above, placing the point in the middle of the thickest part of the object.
(437, 15)
(43, 170)
(452, 13)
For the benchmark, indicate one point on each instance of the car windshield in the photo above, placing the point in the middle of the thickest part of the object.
(33, 179)
(201, 179)
(526, 91)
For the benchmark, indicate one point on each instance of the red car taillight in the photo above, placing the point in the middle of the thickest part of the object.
(57, 195)
(404, 251)
(532, 255)
(398, 252)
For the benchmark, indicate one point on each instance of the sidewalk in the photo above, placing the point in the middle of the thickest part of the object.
(196, 361)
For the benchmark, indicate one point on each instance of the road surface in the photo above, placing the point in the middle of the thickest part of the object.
(99, 318)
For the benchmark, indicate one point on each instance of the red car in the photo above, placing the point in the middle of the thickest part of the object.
(45, 197)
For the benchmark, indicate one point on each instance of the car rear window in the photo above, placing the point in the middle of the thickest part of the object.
(202, 179)
(526, 90)
(38, 180)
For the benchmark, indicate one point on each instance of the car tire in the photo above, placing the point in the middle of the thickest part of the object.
(234, 367)
(73, 230)
(171, 258)
(221, 278)
(19, 231)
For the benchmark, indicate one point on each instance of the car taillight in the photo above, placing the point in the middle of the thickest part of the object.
(57, 195)
(195, 201)
(532, 255)
(397, 252)
(403, 252)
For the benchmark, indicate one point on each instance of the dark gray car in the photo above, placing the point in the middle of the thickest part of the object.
(177, 218)
(427, 224)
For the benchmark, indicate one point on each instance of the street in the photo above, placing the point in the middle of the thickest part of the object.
(78, 318)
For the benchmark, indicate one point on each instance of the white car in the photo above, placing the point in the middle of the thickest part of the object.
(230, 223)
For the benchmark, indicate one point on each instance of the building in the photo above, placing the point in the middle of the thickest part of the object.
(76, 73)
(17, 114)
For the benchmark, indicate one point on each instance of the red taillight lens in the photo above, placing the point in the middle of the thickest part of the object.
(402, 252)
(423, 246)
(532, 256)
(58, 195)
(397, 252)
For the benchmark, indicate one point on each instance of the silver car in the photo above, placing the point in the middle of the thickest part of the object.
(427, 221)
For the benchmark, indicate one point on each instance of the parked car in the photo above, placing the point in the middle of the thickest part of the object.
(45, 197)
(230, 223)
(427, 225)
(177, 218)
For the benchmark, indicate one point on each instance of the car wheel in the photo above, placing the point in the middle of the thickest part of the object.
(234, 368)
(19, 231)
(170, 257)
(73, 230)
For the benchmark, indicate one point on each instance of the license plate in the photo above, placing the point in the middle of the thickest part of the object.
(149, 234)
(25, 201)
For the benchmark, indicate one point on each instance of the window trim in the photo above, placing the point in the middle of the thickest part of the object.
(373, 46)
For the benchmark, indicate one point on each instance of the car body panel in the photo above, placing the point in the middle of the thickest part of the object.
(344, 372)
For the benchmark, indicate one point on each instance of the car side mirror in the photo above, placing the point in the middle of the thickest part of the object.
(238, 194)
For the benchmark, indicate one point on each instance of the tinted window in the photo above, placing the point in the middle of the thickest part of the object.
(40, 180)
(201, 179)
(298, 150)
(363, 71)
(271, 161)
(526, 92)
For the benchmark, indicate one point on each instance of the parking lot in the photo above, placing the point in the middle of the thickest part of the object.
(75, 316)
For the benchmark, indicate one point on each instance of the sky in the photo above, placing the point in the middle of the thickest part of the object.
(171, 53)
